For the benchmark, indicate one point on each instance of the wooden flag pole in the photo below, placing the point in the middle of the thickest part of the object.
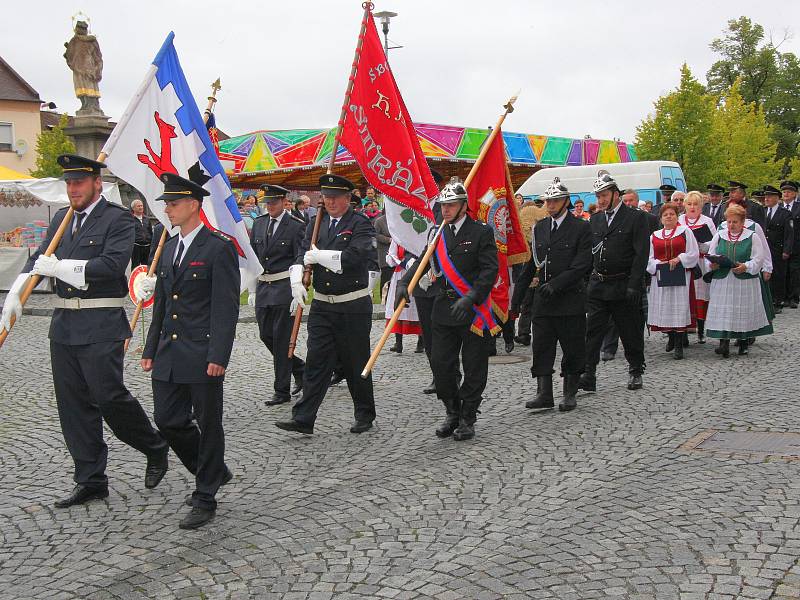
(34, 280)
(212, 99)
(509, 108)
(298, 315)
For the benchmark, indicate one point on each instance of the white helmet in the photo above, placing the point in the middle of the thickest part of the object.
(555, 190)
(452, 192)
(604, 181)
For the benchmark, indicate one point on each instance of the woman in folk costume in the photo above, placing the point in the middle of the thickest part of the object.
(671, 299)
(408, 323)
(704, 229)
(766, 271)
(738, 308)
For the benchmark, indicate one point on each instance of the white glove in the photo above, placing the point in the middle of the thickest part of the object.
(330, 259)
(69, 271)
(374, 277)
(425, 282)
(145, 287)
(251, 297)
(12, 305)
(392, 260)
(299, 292)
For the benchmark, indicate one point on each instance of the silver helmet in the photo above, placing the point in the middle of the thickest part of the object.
(604, 181)
(452, 192)
(555, 190)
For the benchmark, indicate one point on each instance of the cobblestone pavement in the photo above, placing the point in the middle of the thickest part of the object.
(597, 503)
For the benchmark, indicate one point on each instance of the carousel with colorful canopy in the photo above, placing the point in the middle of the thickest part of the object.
(295, 158)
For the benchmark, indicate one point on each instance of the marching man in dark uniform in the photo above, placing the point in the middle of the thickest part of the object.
(714, 208)
(779, 232)
(620, 249)
(737, 190)
(341, 313)
(465, 269)
(562, 256)
(88, 332)
(277, 239)
(790, 203)
(190, 341)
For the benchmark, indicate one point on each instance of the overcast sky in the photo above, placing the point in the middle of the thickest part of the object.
(584, 67)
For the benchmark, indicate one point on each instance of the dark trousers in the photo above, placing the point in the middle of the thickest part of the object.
(570, 332)
(777, 282)
(793, 277)
(524, 323)
(610, 339)
(448, 342)
(140, 256)
(199, 444)
(332, 338)
(275, 329)
(425, 312)
(628, 320)
(89, 388)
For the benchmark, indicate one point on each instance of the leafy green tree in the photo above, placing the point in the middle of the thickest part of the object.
(769, 78)
(744, 141)
(49, 145)
(682, 129)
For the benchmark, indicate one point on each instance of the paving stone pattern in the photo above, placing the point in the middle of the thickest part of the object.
(601, 502)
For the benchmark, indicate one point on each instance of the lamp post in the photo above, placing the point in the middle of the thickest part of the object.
(386, 16)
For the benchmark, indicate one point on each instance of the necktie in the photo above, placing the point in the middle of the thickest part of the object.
(453, 230)
(555, 226)
(78, 222)
(332, 227)
(178, 256)
(271, 228)
(609, 216)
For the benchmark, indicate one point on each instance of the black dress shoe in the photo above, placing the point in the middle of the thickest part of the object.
(197, 517)
(778, 310)
(587, 383)
(226, 479)
(523, 340)
(420, 346)
(431, 389)
(361, 426)
(670, 343)
(607, 356)
(792, 303)
(725, 348)
(396, 348)
(156, 469)
(275, 400)
(635, 382)
(336, 378)
(292, 425)
(298, 387)
(81, 494)
(743, 348)
(464, 431)
(509, 347)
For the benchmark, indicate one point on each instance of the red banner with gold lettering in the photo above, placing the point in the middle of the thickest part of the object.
(378, 132)
(491, 200)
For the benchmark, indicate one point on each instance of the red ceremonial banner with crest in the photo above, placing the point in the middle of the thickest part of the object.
(378, 132)
(491, 200)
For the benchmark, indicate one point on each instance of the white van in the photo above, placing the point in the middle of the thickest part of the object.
(645, 177)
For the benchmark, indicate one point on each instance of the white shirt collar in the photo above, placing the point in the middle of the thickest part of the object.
(187, 241)
(458, 224)
(278, 219)
(86, 211)
(559, 220)
(610, 216)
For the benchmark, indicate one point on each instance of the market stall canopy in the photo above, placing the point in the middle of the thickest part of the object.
(295, 158)
(6, 173)
(24, 193)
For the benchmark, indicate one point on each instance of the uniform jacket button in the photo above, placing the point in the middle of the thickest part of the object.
(175, 296)
(174, 336)
(69, 289)
(174, 316)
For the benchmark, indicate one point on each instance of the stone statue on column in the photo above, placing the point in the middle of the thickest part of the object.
(86, 62)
